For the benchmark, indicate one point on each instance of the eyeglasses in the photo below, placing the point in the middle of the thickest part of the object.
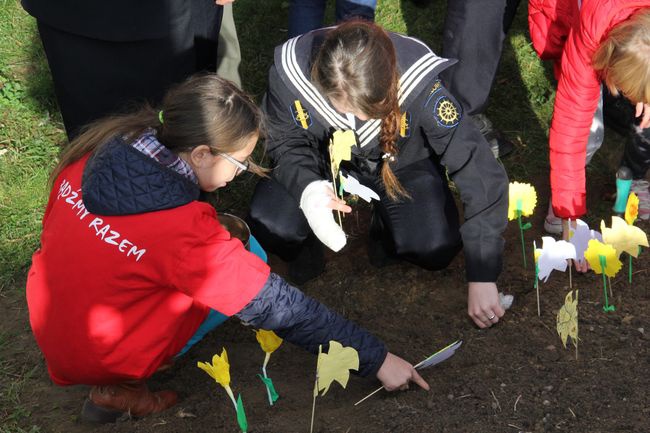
(241, 166)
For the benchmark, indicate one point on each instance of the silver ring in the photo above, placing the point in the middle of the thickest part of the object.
(493, 316)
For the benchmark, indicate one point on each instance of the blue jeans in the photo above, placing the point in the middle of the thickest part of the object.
(307, 15)
(216, 318)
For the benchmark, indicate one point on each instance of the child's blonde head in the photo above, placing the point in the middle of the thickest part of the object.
(203, 110)
(623, 58)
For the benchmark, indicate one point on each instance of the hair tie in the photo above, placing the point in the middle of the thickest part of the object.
(160, 117)
(389, 156)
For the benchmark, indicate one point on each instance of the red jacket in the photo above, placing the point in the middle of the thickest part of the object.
(562, 32)
(113, 297)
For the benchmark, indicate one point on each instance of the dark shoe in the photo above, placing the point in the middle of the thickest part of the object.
(309, 263)
(109, 403)
(499, 144)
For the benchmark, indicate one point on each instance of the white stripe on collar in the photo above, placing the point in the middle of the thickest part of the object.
(306, 88)
(408, 82)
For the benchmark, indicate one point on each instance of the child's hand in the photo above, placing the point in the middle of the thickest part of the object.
(396, 373)
(643, 109)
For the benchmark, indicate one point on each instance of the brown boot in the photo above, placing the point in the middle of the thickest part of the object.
(108, 403)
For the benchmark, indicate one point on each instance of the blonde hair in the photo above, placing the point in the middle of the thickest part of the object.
(623, 59)
(357, 64)
(204, 109)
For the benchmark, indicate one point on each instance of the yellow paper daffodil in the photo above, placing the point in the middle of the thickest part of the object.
(632, 208)
(595, 251)
(336, 366)
(624, 237)
(342, 142)
(219, 370)
(522, 197)
(268, 340)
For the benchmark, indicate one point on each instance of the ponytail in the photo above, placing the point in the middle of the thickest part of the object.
(205, 109)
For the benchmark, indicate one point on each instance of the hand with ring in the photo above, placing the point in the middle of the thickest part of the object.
(483, 304)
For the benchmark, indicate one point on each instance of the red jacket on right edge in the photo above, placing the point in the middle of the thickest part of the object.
(570, 35)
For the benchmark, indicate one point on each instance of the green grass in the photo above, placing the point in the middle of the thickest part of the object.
(31, 132)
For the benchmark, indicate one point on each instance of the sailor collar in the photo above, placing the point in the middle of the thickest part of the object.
(416, 62)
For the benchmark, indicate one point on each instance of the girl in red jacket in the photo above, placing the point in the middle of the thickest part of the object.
(133, 268)
(592, 41)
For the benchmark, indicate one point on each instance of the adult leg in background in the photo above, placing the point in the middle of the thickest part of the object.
(473, 33)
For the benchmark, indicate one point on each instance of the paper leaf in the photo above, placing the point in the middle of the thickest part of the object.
(439, 356)
(269, 385)
(336, 365)
(219, 369)
(632, 208)
(553, 256)
(268, 340)
(342, 142)
(580, 237)
(353, 186)
(522, 198)
(624, 237)
(595, 251)
(567, 319)
(241, 415)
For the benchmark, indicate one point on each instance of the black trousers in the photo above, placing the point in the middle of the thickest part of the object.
(423, 230)
(473, 33)
(94, 77)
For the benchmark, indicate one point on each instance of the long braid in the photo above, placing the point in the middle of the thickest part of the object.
(387, 143)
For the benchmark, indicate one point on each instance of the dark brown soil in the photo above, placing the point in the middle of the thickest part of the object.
(515, 377)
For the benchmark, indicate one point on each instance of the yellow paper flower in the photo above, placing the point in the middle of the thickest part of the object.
(521, 197)
(268, 340)
(624, 237)
(632, 208)
(219, 370)
(335, 366)
(595, 251)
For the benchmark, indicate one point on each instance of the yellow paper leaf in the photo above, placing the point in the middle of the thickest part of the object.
(342, 142)
(336, 366)
(567, 319)
(521, 197)
(219, 370)
(268, 340)
(632, 208)
(595, 251)
(623, 237)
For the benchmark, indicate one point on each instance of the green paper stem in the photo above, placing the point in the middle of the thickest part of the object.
(603, 264)
(270, 389)
(521, 231)
(629, 271)
(241, 415)
(539, 312)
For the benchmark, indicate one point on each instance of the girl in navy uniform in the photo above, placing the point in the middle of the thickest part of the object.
(410, 136)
